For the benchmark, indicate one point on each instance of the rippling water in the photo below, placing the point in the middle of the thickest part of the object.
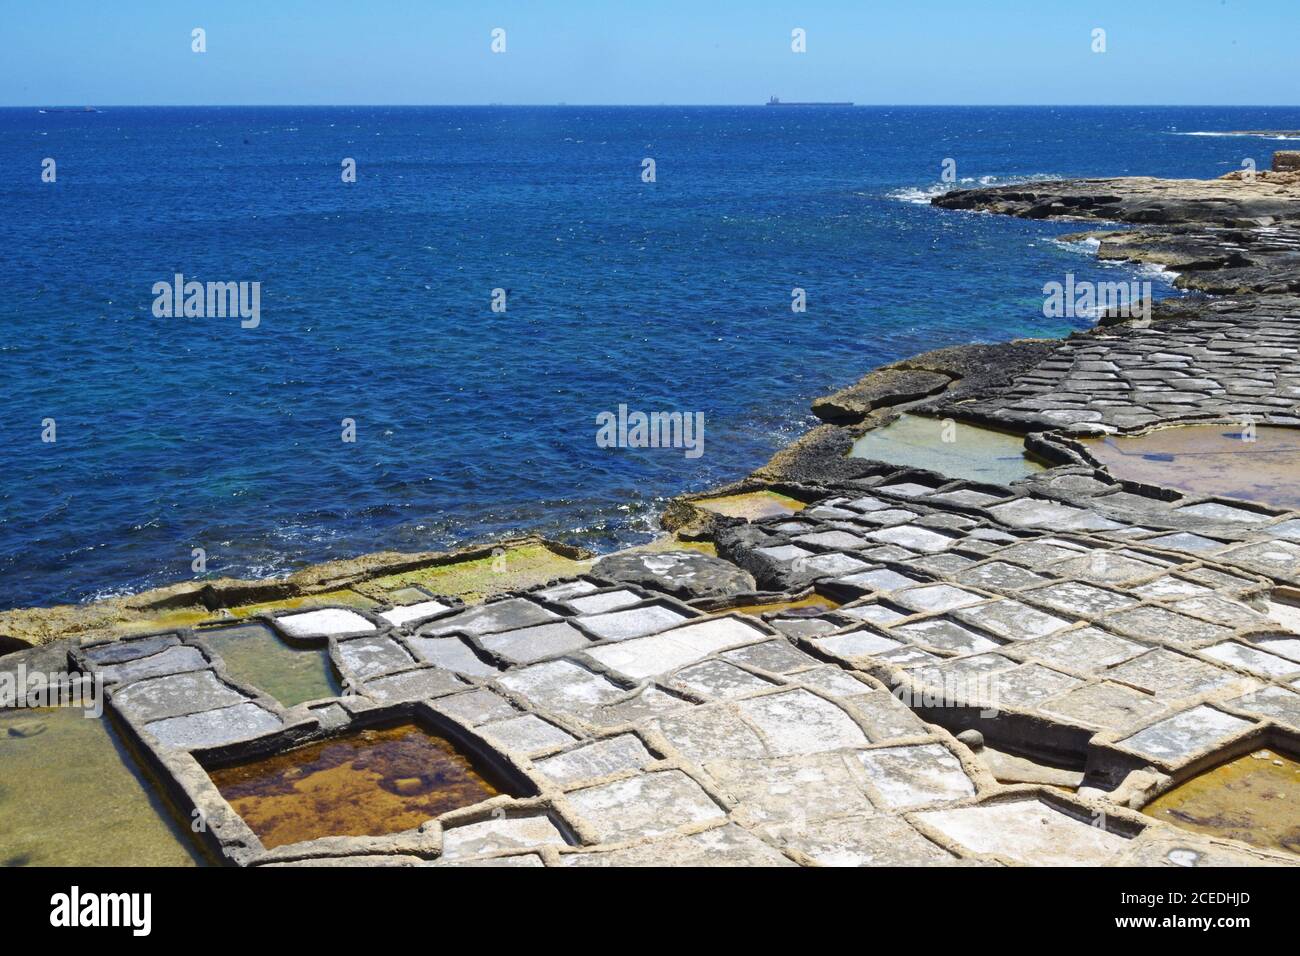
(176, 433)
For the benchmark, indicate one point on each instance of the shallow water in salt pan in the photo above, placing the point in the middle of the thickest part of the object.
(812, 601)
(70, 795)
(949, 447)
(369, 783)
(1209, 460)
(1255, 798)
(752, 505)
(292, 675)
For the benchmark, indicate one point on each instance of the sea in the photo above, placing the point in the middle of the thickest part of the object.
(493, 281)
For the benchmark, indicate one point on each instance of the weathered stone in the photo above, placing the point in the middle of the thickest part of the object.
(643, 806)
(1184, 735)
(212, 728)
(159, 697)
(916, 776)
(594, 760)
(500, 835)
(684, 574)
(412, 685)
(862, 841)
(526, 734)
(721, 846)
(506, 615)
(1027, 832)
(879, 389)
(365, 657)
(530, 644)
(634, 622)
(644, 657)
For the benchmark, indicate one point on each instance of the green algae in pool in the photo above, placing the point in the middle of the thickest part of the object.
(368, 783)
(812, 601)
(255, 655)
(751, 505)
(1209, 460)
(1255, 799)
(949, 447)
(70, 796)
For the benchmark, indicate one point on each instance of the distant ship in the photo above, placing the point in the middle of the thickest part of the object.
(82, 109)
(776, 102)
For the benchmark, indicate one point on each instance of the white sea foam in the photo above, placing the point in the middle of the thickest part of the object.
(1087, 246)
(921, 195)
(1273, 136)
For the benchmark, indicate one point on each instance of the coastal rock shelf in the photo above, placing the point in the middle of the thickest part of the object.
(634, 725)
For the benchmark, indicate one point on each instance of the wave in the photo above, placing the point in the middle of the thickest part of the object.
(1145, 270)
(921, 195)
(1263, 134)
(1087, 246)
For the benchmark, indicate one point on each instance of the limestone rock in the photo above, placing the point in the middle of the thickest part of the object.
(683, 574)
(877, 390)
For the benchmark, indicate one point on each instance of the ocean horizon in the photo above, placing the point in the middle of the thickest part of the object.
(376, 306)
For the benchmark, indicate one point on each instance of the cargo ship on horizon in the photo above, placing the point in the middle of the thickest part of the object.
(776, 101)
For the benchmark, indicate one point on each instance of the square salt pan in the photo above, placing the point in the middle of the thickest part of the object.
(800, 722)
(1027, 832)
(857, 644)
(634, 622)
(659, 653)
(937, 597)
(783, 552)
(827, 564)
(913, 538)
(909, 777)
(882, 579)
(530, 644)
(324, 622)
(413, 612)
(1251, 659)
(599, 759)
(645, 805)
(566, 590)
(527, 734)
(607, 601)
(1176, 738)
(506, 615)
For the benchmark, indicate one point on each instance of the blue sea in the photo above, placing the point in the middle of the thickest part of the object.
(174, 433)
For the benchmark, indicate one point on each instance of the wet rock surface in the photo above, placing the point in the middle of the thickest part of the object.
(684, 574)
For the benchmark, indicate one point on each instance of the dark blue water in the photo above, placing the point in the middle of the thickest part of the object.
(176, 433)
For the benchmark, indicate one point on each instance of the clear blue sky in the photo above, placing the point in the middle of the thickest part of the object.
(137, 52)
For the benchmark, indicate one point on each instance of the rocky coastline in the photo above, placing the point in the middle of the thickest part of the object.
(836, 659)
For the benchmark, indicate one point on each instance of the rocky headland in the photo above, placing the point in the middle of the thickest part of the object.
(1003, 637)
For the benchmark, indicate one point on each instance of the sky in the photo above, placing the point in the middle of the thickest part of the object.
(138, 52)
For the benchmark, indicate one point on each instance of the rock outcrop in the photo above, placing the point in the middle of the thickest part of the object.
(1262, 200)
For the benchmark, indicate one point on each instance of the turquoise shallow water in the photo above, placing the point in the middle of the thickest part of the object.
(176, 433)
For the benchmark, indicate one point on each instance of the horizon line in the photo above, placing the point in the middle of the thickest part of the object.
(830, 104)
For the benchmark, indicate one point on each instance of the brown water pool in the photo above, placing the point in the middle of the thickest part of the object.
(367, 783)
